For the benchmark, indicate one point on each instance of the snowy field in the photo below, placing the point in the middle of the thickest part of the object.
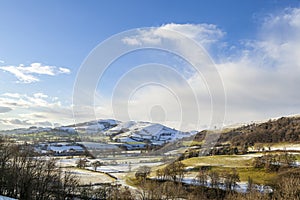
(97, 145)
(120, 169)
(287, 147)
(89, 177)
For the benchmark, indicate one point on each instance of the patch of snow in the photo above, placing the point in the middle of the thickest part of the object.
(96, 145)
(287, 147)
(64, 148)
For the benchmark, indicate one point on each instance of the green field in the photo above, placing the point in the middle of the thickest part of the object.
(259, 176)
(221, 161)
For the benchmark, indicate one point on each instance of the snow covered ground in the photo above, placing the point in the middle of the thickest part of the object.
(98, 145)
(113, 165)
(64, 148)
(90, 177)
(118, 168)
(58, 148)
(285, 147)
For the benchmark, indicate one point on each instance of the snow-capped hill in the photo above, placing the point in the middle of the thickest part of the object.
(150, 133)
(97, 125)
(123, 126)
(155, 132)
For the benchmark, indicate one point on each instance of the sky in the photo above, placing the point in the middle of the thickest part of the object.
(46, 46)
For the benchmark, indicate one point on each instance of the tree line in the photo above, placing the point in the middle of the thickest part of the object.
(24, 175)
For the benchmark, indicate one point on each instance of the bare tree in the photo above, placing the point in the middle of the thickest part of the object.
(26, 176)
(201, 177)
(214, 178)
(81, 163)
(142, 172)
(231, 179)
(96, 164)
(288, 188)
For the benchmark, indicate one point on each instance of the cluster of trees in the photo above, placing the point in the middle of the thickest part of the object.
(160, 190)
(25, 176)
(218, 185)
(225, 149)
(167, 186)
(105, 191)
(273, 162)
(83, 163)
(174, 172)
(228, 179)
(286, 187)
(142, 172)
(212, 184)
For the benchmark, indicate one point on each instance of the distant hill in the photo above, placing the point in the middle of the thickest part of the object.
(132, 132)
(284, 129)
(135, 134)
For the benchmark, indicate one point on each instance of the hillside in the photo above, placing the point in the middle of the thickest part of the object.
(284, 129)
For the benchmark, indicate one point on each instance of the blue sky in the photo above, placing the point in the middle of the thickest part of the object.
(58, 35)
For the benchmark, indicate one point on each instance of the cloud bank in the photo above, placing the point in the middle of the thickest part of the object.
(23, 110)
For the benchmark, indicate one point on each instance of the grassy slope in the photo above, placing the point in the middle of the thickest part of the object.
(222, 161)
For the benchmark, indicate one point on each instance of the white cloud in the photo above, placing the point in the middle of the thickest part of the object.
(205, 34)
(202, 33)
(17, 123)
(13, 95)
(2, 61)
(64, 70)
(27, 74)
(40, 95)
